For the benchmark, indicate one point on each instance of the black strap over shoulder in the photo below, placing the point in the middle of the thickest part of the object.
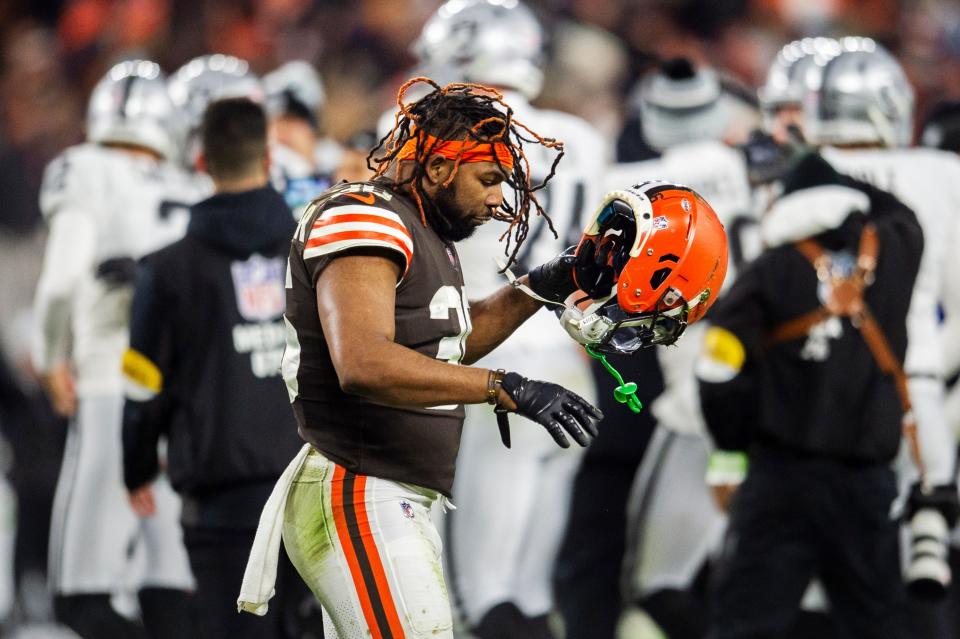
(846, 300)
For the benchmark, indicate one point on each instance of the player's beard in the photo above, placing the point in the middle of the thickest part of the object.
(457, 224)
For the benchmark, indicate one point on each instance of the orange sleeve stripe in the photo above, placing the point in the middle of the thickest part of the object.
(360, 217)
(360, 235)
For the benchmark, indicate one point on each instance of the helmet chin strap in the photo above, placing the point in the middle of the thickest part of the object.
(523, 288)
(626, 392)
(581, 325)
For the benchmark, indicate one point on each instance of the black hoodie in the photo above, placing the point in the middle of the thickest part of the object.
(207, 312)
(823, 395)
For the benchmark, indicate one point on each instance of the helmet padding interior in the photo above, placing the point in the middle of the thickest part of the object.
(602, 257)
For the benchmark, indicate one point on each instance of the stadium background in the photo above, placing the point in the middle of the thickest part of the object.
(52, 52)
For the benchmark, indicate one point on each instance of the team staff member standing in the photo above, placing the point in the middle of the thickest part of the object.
(203, 366)
(792, 372)
(376, 319)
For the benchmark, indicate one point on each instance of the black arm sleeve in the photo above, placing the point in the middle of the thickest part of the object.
(727, 371)
(147, 369)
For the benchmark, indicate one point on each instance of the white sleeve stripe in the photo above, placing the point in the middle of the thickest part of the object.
(333, 229)
(335, 247)
(360, 209)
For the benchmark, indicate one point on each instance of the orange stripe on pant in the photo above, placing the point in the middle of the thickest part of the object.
(380, 577)
(371, 593)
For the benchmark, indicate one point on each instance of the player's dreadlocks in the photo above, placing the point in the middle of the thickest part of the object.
(478, 115)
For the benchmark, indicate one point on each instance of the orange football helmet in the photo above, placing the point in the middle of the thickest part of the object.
(651, 262)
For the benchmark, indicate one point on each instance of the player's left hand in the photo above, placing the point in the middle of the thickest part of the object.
(553, 280)
(61, 388)
(142, 501)
(553, 407)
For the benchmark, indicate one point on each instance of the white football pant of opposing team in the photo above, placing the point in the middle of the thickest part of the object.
(513, 504)
(673, 522)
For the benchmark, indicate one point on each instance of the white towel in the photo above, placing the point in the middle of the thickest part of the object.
(260, 575)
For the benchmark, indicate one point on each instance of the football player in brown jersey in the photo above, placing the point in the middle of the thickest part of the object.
(378, 330)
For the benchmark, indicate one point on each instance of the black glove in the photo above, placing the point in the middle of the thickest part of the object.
(768, 160)
(554, 279)
(553, 407)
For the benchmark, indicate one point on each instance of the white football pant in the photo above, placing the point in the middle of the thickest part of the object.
(94, 530)
(369, 551)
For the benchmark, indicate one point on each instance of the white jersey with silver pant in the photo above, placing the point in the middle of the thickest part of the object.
(512, 504)
(106, 208)
(673, 524)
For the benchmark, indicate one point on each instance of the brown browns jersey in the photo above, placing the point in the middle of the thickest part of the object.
(407, 444)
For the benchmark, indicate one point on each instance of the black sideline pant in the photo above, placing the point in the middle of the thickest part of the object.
(218, 557)
(795, 518)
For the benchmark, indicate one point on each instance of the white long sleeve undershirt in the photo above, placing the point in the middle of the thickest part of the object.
(67, 259)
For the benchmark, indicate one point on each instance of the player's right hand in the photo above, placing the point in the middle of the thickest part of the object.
(553, 280)
(61, 389)
(142, 501)
(553, 407)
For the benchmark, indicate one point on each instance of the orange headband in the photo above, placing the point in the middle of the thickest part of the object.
(468, 150)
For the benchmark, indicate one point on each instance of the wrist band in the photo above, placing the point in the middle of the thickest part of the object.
(727, 467)
(494, 382)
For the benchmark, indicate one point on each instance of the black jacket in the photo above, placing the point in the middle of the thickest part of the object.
(823, 394)
(207, 315)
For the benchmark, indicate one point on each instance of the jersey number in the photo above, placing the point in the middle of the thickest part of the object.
(452, 349)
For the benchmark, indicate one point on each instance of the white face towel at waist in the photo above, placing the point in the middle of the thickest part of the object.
(260, 576)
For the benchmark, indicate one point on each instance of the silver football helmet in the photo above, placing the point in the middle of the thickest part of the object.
(494, 42)
(130, 105)
(784, 85)
(861, 95)
(298, 81)
(202, 81)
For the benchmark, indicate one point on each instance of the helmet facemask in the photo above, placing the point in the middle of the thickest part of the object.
(607, 328)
